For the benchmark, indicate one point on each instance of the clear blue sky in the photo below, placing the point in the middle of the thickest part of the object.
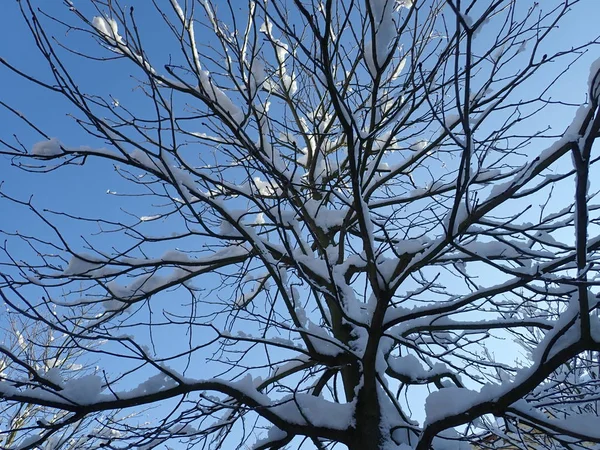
(85, 188)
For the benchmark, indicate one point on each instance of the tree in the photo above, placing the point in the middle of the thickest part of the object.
(33, 354)
(334, 213)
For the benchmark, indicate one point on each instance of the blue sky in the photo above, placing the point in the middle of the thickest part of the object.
(83, 190)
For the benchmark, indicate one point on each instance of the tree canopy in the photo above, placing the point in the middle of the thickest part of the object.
(335, 223)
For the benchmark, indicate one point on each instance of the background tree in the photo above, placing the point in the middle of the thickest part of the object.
(335, 215)
(33, 354)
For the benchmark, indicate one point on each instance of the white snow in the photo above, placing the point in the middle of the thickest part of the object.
(447, 402)
(385, 33)
(325, 217)
(322, 341)
(143, 158)
(54, 376)
(266, 188)
(411, 246)
(220, 98)
(419, 145)
(594, 78)
(290, 84)
(257, 69)
(245, 298)
(498, 54)
(316, 411)
(299, 408)
(290, 365)
(51, 147)
(108, 28)
(28, 441)
(409, 366)
(84, 390)
(274, 434)
(399, 69)
(150, 218)
(82, 265)
(155, 383)
(451, 119)
(404, 3)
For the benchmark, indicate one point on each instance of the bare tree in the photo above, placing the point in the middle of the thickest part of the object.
(32, 355)
(342, 212)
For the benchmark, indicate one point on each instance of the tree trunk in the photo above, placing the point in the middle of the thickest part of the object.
(368, 418)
